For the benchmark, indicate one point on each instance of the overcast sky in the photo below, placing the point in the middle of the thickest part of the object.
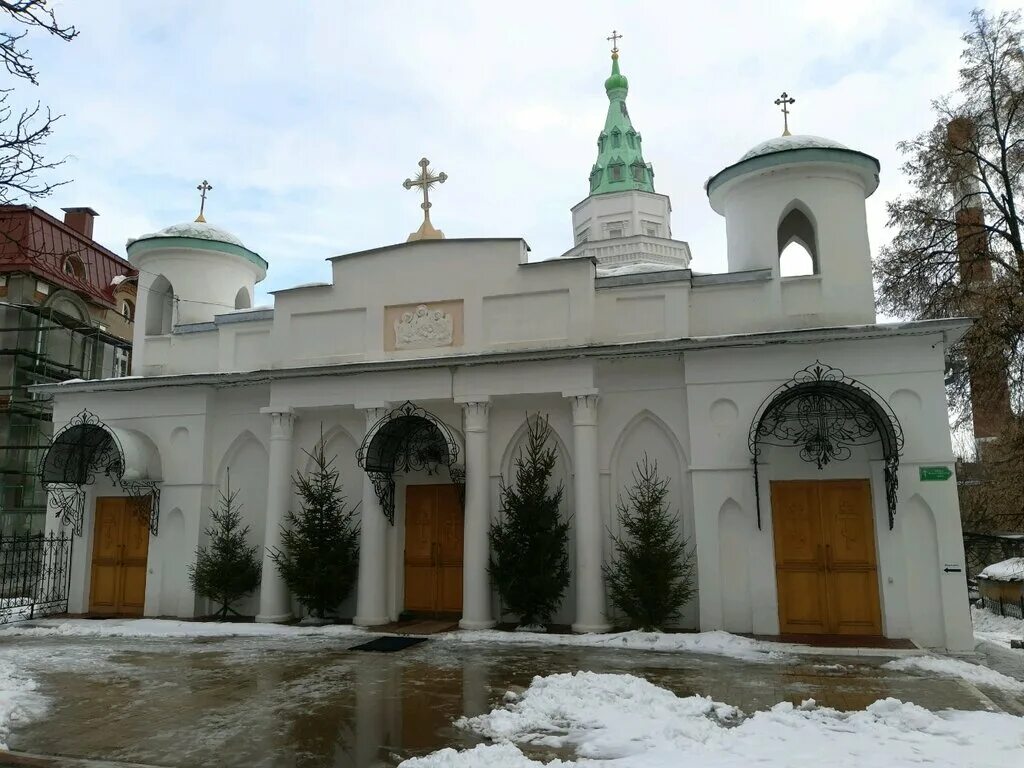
(307, 116)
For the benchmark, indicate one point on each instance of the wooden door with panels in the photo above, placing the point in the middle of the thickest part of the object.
(433, 550)
(120, 550)
(825, 560)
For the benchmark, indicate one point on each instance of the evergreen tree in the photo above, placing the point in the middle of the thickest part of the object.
(650, 577)
(227, 569)
(529, 546)
(319, 558)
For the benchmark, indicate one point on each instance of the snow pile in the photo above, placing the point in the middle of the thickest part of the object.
(1005, 570)
(717, 643)
(972, 673)
(165, 628)
(622, 721)
(18, 700)
(994, 628)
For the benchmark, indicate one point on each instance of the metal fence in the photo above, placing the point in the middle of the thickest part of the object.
(1003, 607)
(35, 575)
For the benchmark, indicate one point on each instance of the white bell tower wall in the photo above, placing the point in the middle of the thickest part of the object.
(184, 283)
(830, 223)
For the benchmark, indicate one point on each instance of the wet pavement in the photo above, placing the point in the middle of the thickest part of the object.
(298, 701)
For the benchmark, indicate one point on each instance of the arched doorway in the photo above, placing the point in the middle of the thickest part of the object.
(823, 529)
(410, 439)
(79, 454)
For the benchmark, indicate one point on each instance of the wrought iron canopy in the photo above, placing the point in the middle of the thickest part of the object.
(825, 414)
(407, 439)
(80, 450)
(84, 448)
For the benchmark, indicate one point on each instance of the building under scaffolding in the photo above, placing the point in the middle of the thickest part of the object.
(66, 312)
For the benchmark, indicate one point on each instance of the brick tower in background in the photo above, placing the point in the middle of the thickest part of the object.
(990, 394)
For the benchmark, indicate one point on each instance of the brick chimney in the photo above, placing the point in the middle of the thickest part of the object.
(80, 219)
(990, 393)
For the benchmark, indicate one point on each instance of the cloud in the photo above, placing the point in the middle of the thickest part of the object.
(307, 117)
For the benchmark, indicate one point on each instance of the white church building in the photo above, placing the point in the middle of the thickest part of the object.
(802, 438)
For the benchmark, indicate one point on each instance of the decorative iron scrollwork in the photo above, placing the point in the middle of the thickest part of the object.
(145, 495)
(408, 439)
(81, 449)
(84, 448)
(68, 502)
(825, 413)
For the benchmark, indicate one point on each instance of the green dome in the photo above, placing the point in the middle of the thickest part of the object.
(620, 162)
(617, 81)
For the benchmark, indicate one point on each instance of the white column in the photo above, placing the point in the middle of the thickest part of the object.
(590, 596)
(371, 590)
(476, 583)
(275, 603)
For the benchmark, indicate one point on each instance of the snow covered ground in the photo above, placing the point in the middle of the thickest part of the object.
(972, 673)
(622, 721)
(996, 629)
(716, 643)
(166, 628)
(18, 700)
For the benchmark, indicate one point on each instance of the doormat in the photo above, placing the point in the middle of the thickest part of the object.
(389, 644)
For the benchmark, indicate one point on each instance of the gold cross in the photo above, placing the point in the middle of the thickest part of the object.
(203, 189)
(785, 100)
(615, 37)
(426, 181)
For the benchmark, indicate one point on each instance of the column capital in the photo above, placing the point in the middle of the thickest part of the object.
(584, 408)
(476, 415)
(282, 422)
(374, 412)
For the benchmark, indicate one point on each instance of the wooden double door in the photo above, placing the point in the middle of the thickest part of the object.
(433, 550)
(120, 548)
(825, 561)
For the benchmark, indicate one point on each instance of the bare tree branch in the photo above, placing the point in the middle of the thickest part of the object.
(31, 14)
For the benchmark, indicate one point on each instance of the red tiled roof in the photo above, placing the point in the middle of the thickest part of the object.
(33, 241)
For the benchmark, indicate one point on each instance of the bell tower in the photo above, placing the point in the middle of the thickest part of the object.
(623, 222)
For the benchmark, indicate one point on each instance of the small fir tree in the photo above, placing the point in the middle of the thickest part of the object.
(529, 546)
(228, 569)
(319, 556)
(650, 577)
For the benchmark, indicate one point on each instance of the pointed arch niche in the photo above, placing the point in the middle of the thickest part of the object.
(647, 434)
(924, 588)
(734, 534)
(798, 241)
(248, 463)
(340, 446)
(160, 307)
(562, 473)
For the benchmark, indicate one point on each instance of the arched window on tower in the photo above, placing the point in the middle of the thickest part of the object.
(616, 139)
(242, 298)
(160, 307)
(798, 243)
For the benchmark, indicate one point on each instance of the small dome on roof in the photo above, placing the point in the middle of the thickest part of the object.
(194, 229)
(799, 141)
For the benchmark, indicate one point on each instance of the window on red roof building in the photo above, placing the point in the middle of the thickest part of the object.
(73, 267)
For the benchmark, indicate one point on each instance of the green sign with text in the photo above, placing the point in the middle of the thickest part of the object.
(935, 473)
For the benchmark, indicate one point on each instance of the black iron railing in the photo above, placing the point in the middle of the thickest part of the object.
(1006, 607)
(35, 575)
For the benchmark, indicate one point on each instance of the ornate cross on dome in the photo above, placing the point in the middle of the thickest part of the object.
(203, 189)
(426, 181)
(785, 100)
(615, 37)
